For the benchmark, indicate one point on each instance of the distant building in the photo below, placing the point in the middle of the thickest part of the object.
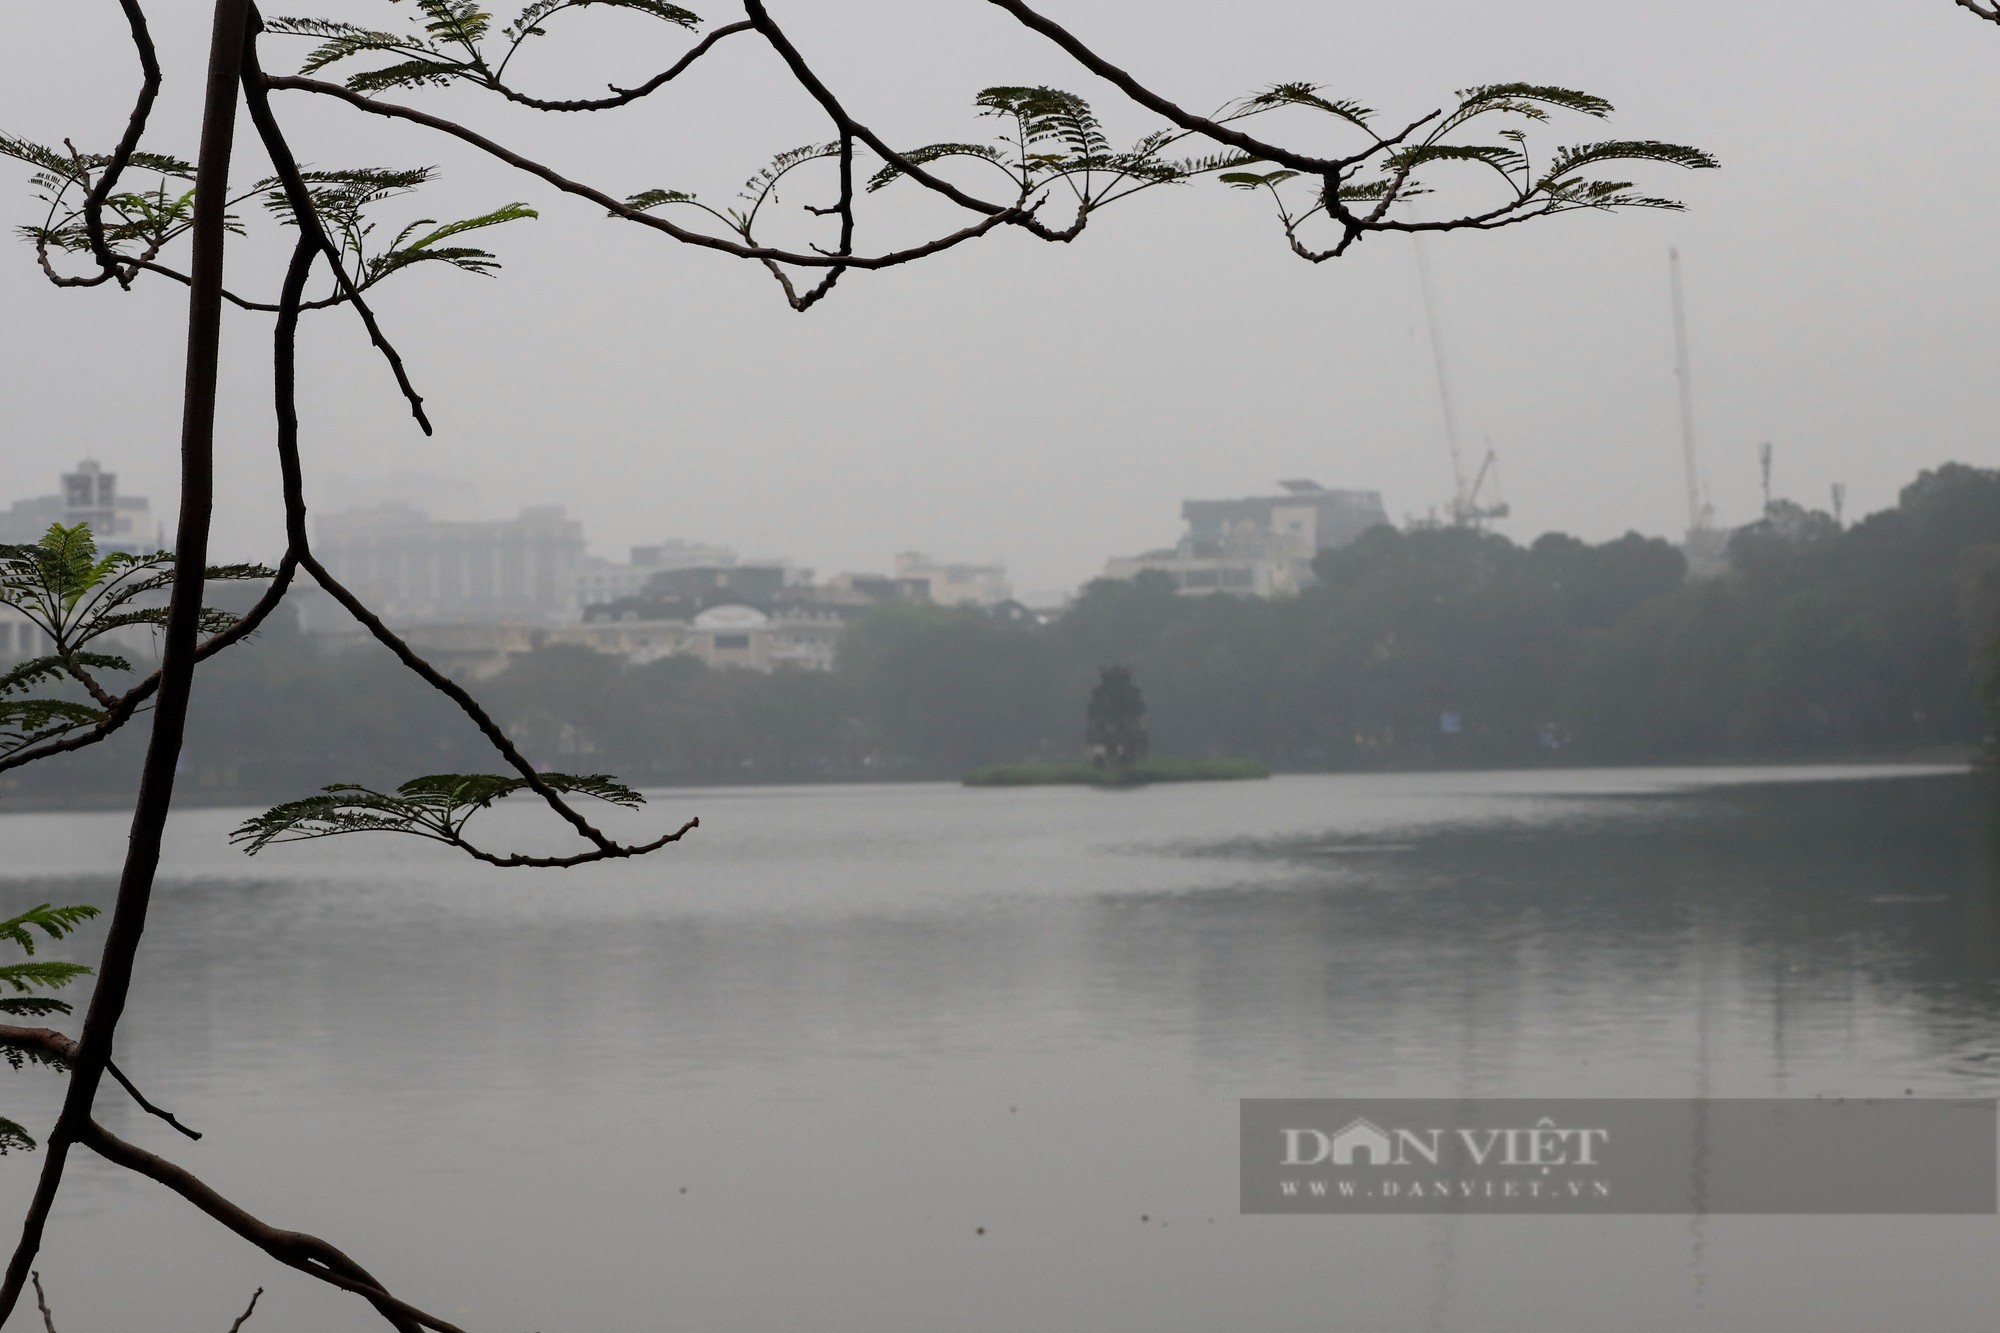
(956, 584)
(600, 581)
(89, 495)
(1262, 546)
(759, 617)
(117, 523)
(413, 569)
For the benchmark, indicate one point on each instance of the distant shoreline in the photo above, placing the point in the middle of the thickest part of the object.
(26, 800)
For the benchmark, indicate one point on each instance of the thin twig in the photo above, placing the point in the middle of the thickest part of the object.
(582, 858)
(625, 95)
(257, 99)
(144, 1105)
(244, 1318)
(41, 1300)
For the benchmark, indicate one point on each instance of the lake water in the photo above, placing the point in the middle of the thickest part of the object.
(780, 1078)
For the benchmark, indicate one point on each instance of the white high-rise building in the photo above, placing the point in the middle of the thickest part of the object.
(413, 569)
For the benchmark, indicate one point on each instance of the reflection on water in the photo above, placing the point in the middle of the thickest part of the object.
(783, 1080)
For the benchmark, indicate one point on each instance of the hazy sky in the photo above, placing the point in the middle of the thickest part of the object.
(1052, 405)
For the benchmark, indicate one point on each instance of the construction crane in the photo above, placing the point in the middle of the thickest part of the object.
(1468, 510)
(1701, 514)
(1706, 546)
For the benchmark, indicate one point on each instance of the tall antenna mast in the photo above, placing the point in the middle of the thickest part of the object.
(1764, 460)
(1698, 513)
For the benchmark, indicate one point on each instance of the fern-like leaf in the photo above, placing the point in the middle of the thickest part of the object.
(434, 807)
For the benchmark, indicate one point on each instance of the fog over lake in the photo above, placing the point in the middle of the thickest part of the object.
(856, 1025)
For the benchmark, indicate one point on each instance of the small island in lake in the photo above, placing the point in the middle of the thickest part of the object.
(1083, 774)
(1116, 743)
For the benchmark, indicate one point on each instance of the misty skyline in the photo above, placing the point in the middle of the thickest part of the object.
(1049, 406)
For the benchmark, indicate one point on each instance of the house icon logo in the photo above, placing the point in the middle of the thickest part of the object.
(1362, 1143)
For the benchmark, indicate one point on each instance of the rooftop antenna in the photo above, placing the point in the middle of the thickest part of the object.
(1465, 507)
(1839, 501)
(1764, 460)
(1700, 513)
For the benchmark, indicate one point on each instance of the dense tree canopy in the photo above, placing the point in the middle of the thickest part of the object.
(1432, 646)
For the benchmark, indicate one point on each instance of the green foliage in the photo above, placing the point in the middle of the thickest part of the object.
(448, 42)
(757, 192)
(20, 981)
(1395, 162)
(75, 596)
(1054, 137)
(435, 807)
(145, 220)
(342, 198)
(140, 224)
(1873, 638)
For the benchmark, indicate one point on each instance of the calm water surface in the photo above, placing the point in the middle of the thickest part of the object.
(779, 1078)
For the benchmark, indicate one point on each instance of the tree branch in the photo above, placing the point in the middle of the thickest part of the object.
(294, 1249)
(625, 95)
(248, 1310)
(850, 127)
(620, 208)
(135, 127)
(284, 361)
(56, 1045)
(582, 858)
(180, 642)
(257, 98)
(1159, 105)
(145, 1105)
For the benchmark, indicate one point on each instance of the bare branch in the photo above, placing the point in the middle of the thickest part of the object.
(625, 95)
(55, 1045)
(294, 1249)
(135, 127)
(285, 387)
(1990, 13)
(258, 100)
(244, 1318)
(848, 125)
(495, 737)
(1017, 215)
(145, 1105)
(582, 858)
(1159, 105)
(42, 1301)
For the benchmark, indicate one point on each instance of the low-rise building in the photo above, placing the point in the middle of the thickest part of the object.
(956, 584)
(1259, 546)
(600, 581)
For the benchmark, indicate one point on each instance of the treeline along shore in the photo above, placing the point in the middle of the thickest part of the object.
(1423, 648)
